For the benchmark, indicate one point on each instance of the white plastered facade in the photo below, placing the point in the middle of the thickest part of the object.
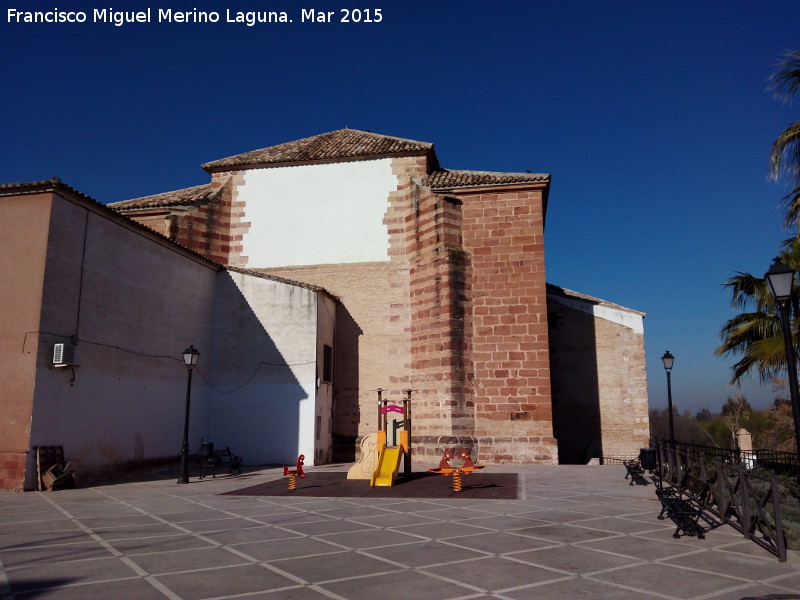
(317, 214)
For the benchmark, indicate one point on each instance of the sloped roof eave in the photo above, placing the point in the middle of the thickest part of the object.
(334, 146)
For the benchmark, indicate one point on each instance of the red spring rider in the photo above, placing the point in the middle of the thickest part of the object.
(294, 473)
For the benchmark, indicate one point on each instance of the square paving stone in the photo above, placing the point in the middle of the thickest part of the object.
(45, 526)
(129, 589)
(160, 563)
(263, 533)
(577, 587)
(500, 543)
(725, 562)
(636, 547)
(136, 531)
(575, 560)
(393, 520)
(621, 525)
(94, 523)
(219, 524)
(493, 574)
(325, 527)
(289, 548)
(305, 592)
(37, 513)
(228, 581)
(568, 534)
(68, 572)
(416, 586)
(167, 543)
(440, 530)
(505, 522)
(30, 556)
(368, 539)
(420, 554)
(331, 567)
(451, 514)
(45, 538)
(664, 579)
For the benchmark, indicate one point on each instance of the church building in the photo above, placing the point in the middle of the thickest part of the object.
(432, 279)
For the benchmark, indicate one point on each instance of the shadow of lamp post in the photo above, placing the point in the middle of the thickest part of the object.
(780, 279)
(668, 361)
(190, 356)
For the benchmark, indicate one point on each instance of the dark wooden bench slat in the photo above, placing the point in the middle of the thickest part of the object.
(635, 472)
(210, 457)
(684, 505)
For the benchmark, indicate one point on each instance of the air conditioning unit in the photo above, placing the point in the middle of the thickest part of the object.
(63, 355)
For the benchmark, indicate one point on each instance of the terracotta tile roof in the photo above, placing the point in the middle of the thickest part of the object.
(555, 290)
(448, 179)
(199, 194)
(342, 143)
(70, 194)
(262, 275)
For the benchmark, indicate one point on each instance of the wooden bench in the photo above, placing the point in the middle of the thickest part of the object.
(210, 457)
(635, 472)
(52, 471)
(685, 504)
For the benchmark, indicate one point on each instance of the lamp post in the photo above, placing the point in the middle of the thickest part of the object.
(780, 279)
(668, 361)
(190, 356)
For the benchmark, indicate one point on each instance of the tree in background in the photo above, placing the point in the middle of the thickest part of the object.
(756, 335)
(784, 158)
(686, 427)
(734, 413)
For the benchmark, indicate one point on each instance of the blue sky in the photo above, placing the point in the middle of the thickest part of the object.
(653, 118)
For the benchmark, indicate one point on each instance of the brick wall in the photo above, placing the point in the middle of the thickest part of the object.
(215, 229)
(504, 234)
(440, 331)
(12, 471)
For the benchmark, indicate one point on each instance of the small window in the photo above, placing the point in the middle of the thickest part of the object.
(327, 363)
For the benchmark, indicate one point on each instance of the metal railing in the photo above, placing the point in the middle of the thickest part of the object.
(780, 463)
(747, 501)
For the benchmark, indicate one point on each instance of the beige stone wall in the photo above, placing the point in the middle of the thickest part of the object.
(371, 346)
(599, 384)
(624, 420)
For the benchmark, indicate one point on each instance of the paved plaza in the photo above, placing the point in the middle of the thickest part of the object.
(573, 532)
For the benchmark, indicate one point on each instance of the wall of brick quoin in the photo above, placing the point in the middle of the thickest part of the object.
(12, 470)
(458, 313)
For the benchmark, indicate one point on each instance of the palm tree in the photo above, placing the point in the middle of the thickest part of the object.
(756, 335)
(784, 157)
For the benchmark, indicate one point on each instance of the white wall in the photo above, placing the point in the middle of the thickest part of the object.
(317, 214)
(630, 319)
(134, 305)
(265, 371)
(326, 321)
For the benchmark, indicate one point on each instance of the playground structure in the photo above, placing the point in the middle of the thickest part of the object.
(465, 469)
(295, 473)
(393, 419)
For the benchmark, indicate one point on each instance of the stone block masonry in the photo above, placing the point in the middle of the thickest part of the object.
(503, 231)
(12, 471)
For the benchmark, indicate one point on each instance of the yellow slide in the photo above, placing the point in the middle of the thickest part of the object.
(388, 465)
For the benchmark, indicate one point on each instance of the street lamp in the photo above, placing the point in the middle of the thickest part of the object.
(668, 361)
(190, 356)
(780, 279)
